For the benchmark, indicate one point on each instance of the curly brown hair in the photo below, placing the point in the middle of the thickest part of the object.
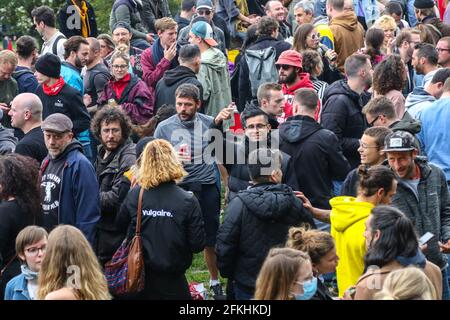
(19, 178)
(389, 75)
(111, 114)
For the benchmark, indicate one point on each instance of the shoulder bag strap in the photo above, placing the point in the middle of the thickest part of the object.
(139, 212)
(7, 265)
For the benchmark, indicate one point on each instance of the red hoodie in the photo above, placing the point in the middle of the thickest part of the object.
(289, 94)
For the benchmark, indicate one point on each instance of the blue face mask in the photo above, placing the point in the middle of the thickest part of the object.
(309, 289)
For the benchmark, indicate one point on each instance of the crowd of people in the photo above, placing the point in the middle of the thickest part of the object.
(322, 125)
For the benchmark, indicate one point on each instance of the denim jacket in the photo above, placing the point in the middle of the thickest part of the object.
(16, 289)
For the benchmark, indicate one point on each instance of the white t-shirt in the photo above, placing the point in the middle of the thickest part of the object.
(47, 46)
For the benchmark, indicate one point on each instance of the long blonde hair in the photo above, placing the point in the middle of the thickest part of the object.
(159, 164)
(278, 273)
(70, 257)
(407, 284)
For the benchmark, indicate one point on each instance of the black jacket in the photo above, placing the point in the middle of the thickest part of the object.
(66, 15)
(172, 227)
(69, 102)
(245, 91)
(172, 79)
(317, 156)
(342, 114)
(257, 220)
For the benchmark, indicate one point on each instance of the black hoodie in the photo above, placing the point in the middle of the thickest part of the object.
(172, 79)
(257, 220)
(317, 157)
(342, 114)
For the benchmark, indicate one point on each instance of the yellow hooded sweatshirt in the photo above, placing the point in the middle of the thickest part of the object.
(348, 219)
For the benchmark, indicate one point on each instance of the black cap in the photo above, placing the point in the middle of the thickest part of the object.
(49, 65)
(399, 141)
(423, 4)
(121, 24)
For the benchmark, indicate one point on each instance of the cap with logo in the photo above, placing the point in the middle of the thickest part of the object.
(203, 30)
(399, 141)
(57, 122)
(207, 4)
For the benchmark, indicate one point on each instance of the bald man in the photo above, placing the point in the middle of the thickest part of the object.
(26, 115)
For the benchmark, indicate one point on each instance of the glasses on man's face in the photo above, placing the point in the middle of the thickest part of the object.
(120, 66)
(442, 49)
(204, 12)
(283, 66)
(34, 251)
(315, 36)
(371, 123)
(257, 126)
(366, 146)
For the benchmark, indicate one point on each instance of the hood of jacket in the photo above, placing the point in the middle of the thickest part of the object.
(418, 95)
(408, 123)
(304, 82)
(214, 58)
(341, 87)
(298, 128)
(346, 211)
(347, 20)
(269, 201)
(173, 76)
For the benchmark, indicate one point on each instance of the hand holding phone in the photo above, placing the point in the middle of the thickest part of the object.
(425, 238)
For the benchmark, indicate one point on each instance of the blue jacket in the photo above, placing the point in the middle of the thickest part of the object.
(79, 197)
(434, 137)
(72, 77)
(16, 289)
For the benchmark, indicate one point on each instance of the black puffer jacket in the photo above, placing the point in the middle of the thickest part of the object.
(317, 156)
(257, 220)
(245, 91)
(342, 114)
(172, 79)
(172, 227)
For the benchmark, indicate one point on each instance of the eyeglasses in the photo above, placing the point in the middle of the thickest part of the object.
(315, 36)
(371, 123)
(34, 251)
(442, 49)
(204, 12)
(365, 146)
(283, 66)
(257, 126)
(120, 66)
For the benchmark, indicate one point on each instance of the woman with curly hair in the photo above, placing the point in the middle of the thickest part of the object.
(389, 78)
(172, 222)
(70, 270)
(19, 207)
(306, 37)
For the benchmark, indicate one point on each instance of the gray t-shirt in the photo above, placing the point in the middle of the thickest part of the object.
(413, 185)
(191, 135)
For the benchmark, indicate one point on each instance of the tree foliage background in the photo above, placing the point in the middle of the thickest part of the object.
(15, 15)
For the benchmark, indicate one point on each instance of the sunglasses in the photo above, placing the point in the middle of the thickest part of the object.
(204, 12)
(315, 36)
(283, 66)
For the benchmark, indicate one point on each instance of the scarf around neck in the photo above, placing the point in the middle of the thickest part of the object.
(83, 12)
(54, 89)
(158, 54)
(29, 275)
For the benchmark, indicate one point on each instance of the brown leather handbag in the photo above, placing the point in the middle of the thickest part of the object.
(125, 273)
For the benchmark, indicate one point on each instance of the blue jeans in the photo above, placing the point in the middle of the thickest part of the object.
(240, 294)
(445, 285)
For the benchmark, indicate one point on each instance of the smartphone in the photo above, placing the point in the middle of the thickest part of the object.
(425, 238)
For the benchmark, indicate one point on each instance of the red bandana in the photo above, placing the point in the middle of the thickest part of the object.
(54, 89)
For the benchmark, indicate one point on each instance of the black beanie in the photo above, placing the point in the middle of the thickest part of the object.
(423, 4)
(49, 65)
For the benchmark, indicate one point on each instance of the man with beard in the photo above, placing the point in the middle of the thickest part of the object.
(443, 49)
(186, 131)
(291, 77)
(121, 35)
(27, 54)
(69, 187)
(76, 52)
(112, 127)
(405, 43)
(190, 60)
(275, 10)
(45, 22)
(425, 61)
(343, 102)
(423, 196)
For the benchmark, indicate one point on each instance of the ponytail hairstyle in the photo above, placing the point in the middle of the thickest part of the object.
(373, 178)
(407, 284)
(374, 42)
(397, 237)
(314, 242)
(121, 51)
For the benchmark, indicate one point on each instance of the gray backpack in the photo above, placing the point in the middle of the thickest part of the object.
(261, 67)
